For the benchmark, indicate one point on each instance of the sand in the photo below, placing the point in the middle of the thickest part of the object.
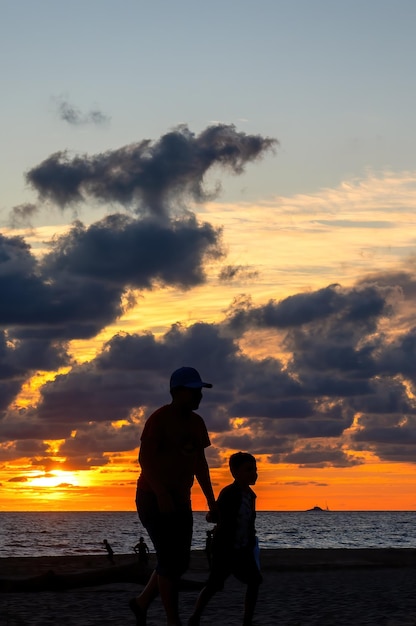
(301, 588)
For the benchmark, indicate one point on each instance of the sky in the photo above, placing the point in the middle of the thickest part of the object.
(224, 185)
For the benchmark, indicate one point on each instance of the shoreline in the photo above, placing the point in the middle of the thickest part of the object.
(302, 587)
(272, 559)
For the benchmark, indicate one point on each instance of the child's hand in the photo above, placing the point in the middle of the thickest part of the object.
(212, 517)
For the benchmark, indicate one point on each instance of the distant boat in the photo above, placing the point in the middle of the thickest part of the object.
(318, 509)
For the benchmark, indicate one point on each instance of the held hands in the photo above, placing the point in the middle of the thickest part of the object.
(212, 515)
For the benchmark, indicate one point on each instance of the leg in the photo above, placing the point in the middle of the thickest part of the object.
(204, 597)
(149, 593)
(169, 595)
(141, 603)
(171, 535)
(250, 603)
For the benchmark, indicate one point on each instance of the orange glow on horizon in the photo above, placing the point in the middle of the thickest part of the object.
(374, 485)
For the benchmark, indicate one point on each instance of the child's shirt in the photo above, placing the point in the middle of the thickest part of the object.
(236, 523)
(244, 521)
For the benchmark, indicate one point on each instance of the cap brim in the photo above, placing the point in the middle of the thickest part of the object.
(198, 385)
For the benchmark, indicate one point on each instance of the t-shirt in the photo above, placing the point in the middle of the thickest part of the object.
(236, 523)
(176, 440)
(244, 521)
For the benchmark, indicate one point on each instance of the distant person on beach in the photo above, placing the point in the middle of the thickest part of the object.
(110, 551)
(142, 550)
(172, 454)
(234, 542)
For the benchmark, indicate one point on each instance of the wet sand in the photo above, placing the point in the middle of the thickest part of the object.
(301, 588)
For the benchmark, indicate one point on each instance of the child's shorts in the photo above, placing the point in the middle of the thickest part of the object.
(240, 563)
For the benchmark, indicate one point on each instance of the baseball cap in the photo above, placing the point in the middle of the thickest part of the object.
(187, 377)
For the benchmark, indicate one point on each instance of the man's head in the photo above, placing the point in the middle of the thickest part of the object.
(243, 468)
(185, 387)
(187, 377)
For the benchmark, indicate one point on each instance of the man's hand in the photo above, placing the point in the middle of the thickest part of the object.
(212, 515)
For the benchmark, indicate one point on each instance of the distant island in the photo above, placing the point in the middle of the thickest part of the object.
(317, 508)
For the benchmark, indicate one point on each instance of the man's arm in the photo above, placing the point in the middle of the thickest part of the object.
(203, 477)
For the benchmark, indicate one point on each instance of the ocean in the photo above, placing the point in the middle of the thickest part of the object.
(72, 533)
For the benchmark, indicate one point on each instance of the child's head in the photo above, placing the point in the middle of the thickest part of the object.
(243, 467)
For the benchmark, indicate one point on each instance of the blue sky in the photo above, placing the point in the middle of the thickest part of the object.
(292, 287)
(333, 81)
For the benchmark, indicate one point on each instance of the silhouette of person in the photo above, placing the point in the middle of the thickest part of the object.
(110, 552)
(142, 551)
(208, 546)
(234, 541)
(172, 454)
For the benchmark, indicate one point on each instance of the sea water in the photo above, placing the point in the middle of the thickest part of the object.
(72, 533)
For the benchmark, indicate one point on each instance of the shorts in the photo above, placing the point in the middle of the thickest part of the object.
(241, 563)
(171, 534)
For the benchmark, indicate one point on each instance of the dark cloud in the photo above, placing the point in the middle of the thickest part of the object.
(20, 216)
(345, 378)
(258, 443)
(45, 304)
(398, 357)
(119, 252)
(85, 281)
(148, 176)
(133, 371)
(80, 286)
(303, 483)
(318, 455)
(74, 116)
(349, 306)
(335, 369)
(240, 272)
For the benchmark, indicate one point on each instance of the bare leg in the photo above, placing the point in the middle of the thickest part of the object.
(250, 604)
(169, 595)
(204, 597)
(149, 593)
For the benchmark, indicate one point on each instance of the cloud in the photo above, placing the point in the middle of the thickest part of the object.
(146, 176)
(301, 409)
(78, 287)
(74, 116)
(338, 375)
(119, 252)
(240, 272)
(87, 278)
(337, 366)
(318, 455)
(349, 305)
(20, 216)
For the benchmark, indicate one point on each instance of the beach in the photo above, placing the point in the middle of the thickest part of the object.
(302, 587)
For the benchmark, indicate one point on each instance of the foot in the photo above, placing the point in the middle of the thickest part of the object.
(138, 612)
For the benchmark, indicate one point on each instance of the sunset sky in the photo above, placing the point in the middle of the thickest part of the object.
(225, 185)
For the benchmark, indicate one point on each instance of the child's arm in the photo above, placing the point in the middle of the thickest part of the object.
(228, 505)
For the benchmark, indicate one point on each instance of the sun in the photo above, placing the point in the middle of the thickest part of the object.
(55, 478)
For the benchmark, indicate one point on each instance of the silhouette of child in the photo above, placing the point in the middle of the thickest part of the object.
(234, 541)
